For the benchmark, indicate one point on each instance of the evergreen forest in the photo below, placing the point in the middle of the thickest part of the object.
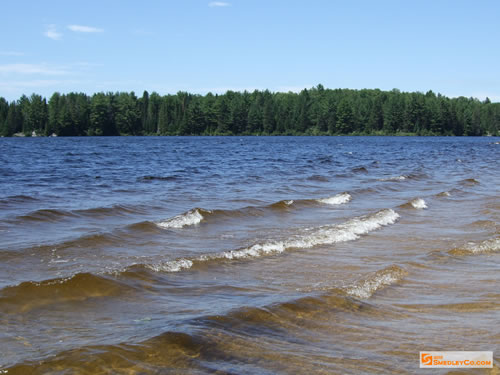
(315, 111)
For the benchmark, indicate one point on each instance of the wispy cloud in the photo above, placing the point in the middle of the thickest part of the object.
(11, 53)
(32, 69)
(214, 4)
(52, 33)
(85, 29)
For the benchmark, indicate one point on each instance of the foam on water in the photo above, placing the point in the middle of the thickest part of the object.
(491, 245)
(171, 266)
(418, 203)
(367, 287)
(395, 178)
(327, 235)
(190, 217)
(444, 194)
(336, 199)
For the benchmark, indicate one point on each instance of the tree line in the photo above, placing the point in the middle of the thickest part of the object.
(315, 111)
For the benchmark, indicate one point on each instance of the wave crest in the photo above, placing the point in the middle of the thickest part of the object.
(188, 218)
(367, 287)
(491, 245)
(171, 266)
(418, 203)
(336, 199)
(327, 235)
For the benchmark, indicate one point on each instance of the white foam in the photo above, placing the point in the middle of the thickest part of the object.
(171, 266)
(326, 235)
(365, 288)
(191, 217)
(289, 202)
(336, 199)
(419, 204)
(349, 231)
(396, 178)
(487, 246)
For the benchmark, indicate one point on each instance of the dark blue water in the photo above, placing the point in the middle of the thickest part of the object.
(209, 253)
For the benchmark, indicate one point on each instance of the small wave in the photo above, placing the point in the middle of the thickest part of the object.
(46, 215)
(367, 287)
(53, 215)
(325, 160)
(159, 178)
(318, 178)
(196, 215)
(172, 266)
(485, 224)
(284, 204)
(491, 245)
(191, 217)
(327, 235)
(115, 210)
(336, 199)
(418, 203)
(444, 194)
(359, 170)
(86, 242)
(29, 295)
(144, 227)
(18, 199)
(469, 182)
(395, 178)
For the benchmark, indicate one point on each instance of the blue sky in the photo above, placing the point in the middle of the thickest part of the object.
(451, 47)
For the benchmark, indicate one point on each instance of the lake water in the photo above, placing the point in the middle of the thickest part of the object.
(247, 255)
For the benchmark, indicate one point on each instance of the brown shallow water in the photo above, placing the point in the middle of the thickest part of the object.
(247, 255)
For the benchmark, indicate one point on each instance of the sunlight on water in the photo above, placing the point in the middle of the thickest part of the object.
(338, 255)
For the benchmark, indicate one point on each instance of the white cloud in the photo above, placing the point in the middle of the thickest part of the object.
(52, 33)
(11, 53)
(213, 4)
(32, 69)
(84, 29)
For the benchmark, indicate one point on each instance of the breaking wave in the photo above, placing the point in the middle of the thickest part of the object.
(188, 218)
(469, 182)
(395, 178)
(491, 245)
(444, 194)
(197, 215)
(336, 199)
(367, 287)
(326, 235)
(417, 203)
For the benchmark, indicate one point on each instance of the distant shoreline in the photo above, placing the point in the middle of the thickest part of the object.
(315, 111)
